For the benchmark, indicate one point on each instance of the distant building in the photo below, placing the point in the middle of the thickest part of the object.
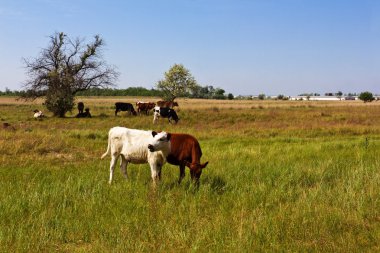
(322, 98)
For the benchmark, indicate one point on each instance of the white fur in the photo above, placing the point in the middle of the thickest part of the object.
(132, 146)
(156, 114)
(38, 114)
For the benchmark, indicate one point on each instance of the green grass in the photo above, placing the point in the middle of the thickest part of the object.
(279, 179)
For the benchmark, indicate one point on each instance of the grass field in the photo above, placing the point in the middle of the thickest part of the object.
(289, 176)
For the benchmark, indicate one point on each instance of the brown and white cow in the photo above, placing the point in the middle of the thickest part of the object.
(186, 151)
(167, 104)
(144, 107)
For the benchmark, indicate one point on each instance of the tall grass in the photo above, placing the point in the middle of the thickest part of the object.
(282, 178)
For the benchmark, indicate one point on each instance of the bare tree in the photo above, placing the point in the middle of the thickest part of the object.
(65, 67)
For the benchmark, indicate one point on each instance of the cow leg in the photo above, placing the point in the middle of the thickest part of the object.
(181, 173)
(116, 112)
(155, 170)
(123, 167)
(112, 167)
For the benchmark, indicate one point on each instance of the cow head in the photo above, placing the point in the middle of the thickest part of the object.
(195, 169)
(160, 142)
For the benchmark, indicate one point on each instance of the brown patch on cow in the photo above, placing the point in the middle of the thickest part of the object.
(145, 107)
(167, 104)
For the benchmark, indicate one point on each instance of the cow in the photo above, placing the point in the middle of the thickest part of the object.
(167, 104)
(80, 107)
(186, 151)
(38, 114)
(136, 147)
(120, 106)
(144, 107)
(165, 113)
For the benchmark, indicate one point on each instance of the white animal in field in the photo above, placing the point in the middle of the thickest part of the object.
(137, 146)
(38, 114)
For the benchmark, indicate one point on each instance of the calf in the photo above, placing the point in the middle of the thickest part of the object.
(120, 106)
(137, 146)
(165, 113)
(186, 151)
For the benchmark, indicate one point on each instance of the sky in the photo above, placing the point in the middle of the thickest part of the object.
(246, 47)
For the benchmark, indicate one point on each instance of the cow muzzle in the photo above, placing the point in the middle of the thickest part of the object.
(151, 148)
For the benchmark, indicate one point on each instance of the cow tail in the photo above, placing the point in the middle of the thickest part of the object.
(108, 148)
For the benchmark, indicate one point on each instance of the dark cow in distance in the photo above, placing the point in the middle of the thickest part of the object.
(165, 113)
(167, 104)
(185, 151)
(120, 106)
(80, 107)
(85, 114)
(144, 107)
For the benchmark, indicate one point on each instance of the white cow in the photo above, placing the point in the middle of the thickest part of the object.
(38, 114)
(137, 146)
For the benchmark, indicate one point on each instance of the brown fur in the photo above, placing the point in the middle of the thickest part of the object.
(145, 107)
(186, 151)
(167, 104)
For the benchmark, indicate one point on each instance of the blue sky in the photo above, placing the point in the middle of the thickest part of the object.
(243, 46)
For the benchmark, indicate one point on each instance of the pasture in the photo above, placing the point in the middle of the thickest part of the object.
(290, 176)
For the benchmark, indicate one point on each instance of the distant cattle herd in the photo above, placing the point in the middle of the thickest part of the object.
(162, 109)
(159, 109)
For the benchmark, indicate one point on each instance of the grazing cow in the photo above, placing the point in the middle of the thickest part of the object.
(186, 151)
(167, 104)
(80, 107)
(144, 107)
(38, 114)
(137, 146)
(120, 106)
(165, 113)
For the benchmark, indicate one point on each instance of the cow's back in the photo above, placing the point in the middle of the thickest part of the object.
(184, 147)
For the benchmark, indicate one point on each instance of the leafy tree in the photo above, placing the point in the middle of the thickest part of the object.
(366, 96)
(177, 82)
(64, 68)
(219, 94)
(261, 96)
(230, 96)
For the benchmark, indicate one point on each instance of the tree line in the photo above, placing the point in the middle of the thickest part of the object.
(206, 92)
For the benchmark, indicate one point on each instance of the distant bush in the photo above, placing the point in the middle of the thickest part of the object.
(261, 96)
(366, 96)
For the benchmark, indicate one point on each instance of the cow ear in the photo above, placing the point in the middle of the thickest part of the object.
(154, 133)
(168, 136)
